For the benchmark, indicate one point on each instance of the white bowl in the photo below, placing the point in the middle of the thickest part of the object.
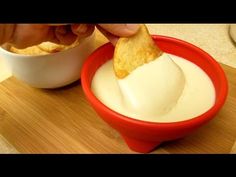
(51, 70)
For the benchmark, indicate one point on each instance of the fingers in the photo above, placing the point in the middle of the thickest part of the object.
(67, 34)
(26, 35)
(82, 30)
(64, 35)
(6, 32)
(122, 30)
(112, 38)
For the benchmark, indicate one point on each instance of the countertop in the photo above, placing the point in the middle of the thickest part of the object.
(212, 38)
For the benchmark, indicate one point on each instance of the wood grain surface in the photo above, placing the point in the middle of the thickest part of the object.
(62, 121)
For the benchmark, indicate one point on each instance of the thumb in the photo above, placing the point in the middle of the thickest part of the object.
(122, 30)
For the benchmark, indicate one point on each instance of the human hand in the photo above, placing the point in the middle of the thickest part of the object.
(111, 31)
(114, 31)
(25, 35)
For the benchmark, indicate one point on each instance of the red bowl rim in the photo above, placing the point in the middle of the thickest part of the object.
(195, 120)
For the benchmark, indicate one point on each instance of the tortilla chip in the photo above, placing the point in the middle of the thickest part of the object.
(134, 51)
(34, 50)
(53, 47)
(43, 49)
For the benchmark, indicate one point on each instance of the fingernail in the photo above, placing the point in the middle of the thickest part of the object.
(132, 27)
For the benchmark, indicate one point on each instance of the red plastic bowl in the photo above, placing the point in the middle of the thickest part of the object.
(142, 136)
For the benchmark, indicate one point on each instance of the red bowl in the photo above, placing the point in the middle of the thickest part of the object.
(143, 136)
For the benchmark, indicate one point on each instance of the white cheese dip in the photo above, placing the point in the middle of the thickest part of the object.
(168, 89)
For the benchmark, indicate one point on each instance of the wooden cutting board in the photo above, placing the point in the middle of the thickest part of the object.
(62, 121)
